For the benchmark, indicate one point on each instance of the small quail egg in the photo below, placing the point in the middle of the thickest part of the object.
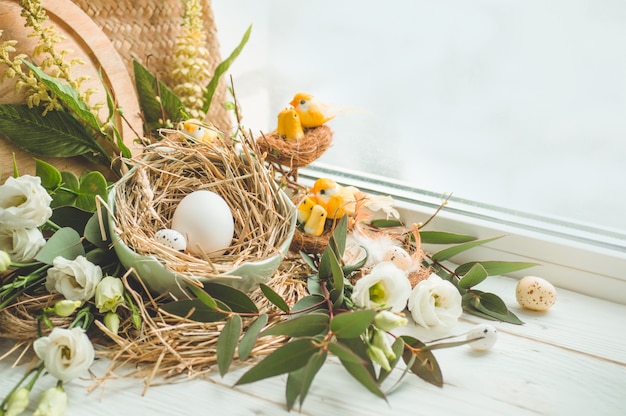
(398, 256)
(489, 336)
(171, 238)
(535, 293)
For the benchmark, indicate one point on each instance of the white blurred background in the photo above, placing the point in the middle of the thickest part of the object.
(516, 103)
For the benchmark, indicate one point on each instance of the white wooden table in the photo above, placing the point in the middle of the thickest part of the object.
(568, 361)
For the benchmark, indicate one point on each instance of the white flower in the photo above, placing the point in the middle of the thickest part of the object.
(75, 279)
(435, 302)
(66, 353)
(52, 402)
(386, 286)
(22, 244)
(109, 294)
(18, 402)
(24, 203)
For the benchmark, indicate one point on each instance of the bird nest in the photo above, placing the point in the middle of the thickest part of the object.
(146, 198)
(298, 153)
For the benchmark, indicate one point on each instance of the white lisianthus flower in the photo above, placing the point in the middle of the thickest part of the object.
(66, 353)
(435, 302)
(75, 279)
(109, 294)
(22, 244)
(386, 286)
(24, 203)
(52, 402)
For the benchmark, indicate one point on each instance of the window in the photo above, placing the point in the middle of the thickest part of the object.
(516, 108)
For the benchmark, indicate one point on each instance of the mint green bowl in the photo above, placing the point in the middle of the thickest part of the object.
(159, 279)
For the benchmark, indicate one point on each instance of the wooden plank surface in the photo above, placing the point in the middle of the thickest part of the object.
(568, 361)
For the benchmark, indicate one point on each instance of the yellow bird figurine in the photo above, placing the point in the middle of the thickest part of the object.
(337, 200)
(315, 224)
(289, 125)
(312, 112)
(199, 131)
(304, 209)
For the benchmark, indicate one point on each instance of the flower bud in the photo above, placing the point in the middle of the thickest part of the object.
(386, 320)
(112, 322)
(65, 307)
(17, 403)
(380, 339)
(109, 294)
(378, 356)
(53, 402)
(5, 261)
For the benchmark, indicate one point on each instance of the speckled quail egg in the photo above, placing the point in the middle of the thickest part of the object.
(535, 293)
(206, 220)
(398, 256)
(171, 238)
(489, 336)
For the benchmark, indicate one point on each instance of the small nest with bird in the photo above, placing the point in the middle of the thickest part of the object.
(146, 198)
(299, 153)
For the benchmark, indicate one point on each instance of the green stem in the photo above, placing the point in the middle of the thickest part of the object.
(29, 386)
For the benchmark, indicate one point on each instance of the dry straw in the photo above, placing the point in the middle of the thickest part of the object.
(298, 153)
(147, 198)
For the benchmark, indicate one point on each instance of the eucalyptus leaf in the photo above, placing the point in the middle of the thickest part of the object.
(314, 286)
(56, 134)
(93, 232)
(305, 325)
(221, 70)
(385, 223)
(361, 373)
(237, 300)
(72, 217)
(299, 381)
(424, 364)
(65, 242)
(308, 260)
(308, 304)
(203, 296)
(444, 237)
(193, 309)
(50, 176)
(344, 353)
(491, 305)
(352, 324)
(496, 268)
(227, 343)
(447, 253)
(285, 359)
(91, 184)
(474, 276)
(250, 337)
(274, 298)
(67, 194)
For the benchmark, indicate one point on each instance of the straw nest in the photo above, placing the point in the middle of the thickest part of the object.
(147, 197)
(296, 154)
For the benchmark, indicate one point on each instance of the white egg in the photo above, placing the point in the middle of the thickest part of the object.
(398, 256)
(535, 293)
(206, 220)
(171, 238)
(487, 334)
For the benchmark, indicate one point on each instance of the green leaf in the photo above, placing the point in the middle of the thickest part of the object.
(237, 300)
(221, 69)
(344, 353)
(203, 296)
(424, 364)
(91, 185)
(155, 110)
(67, 194)
(227, 343)
(93, 232)
(308, 304)
(361, 373)
(442, 237)
(66, 242)
(299, 381)
(71, 217)
(447, 253)
(338, 239)
(57, 134)
(496, 268)
(384, 223)
(305, 325)
(474, 276)
(352, 324)
(193, 309)
(314, 286)
(285, 359)
(68, 95)
(50, 176)
(249, 338)
(489, 305)
(274, 297)
(308, 260)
